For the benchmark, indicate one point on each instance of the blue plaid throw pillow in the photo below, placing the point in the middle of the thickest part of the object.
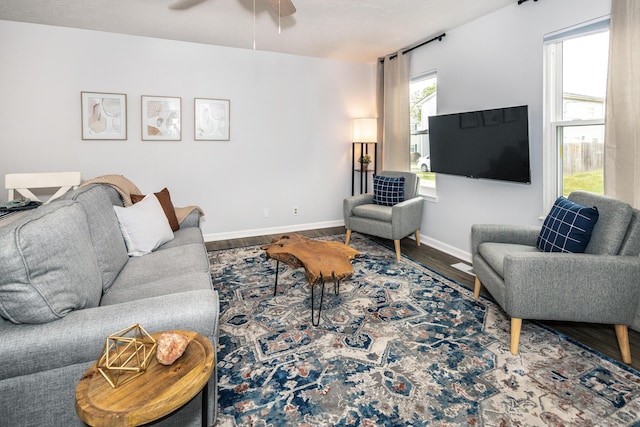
(567, 228)
(388, 191)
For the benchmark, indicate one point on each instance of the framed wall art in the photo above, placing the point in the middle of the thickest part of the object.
(211, 119)
(161, 118)
(103, 115)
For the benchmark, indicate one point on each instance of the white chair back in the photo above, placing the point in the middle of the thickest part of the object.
(23, 183)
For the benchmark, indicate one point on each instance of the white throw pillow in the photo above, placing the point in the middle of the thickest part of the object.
(144, 226)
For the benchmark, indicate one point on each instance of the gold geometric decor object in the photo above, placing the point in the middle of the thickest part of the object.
(126, 355)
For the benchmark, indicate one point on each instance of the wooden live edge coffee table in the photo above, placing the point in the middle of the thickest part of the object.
(158, 392)
(322, 262)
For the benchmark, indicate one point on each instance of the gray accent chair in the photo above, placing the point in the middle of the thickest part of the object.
(601, 285)
(389, 222)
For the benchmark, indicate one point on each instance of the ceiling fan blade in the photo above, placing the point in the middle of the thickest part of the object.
(185, 4)
(285, 7)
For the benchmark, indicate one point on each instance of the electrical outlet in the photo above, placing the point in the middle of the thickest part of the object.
(265, 212)
(295, 210)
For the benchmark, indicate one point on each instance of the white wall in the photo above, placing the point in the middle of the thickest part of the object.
(290, 123)
(290, 119)
(495, 61)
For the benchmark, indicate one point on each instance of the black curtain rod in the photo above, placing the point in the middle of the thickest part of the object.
(439, 38)
(522, 1)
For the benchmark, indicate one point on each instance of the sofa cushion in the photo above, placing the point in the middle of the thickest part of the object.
(188, 281)
(164, 197)
(184, 236)
(170, 262)
(388, 191)
(144, 226)
(48, 266)
(97, 201)
(568, 227)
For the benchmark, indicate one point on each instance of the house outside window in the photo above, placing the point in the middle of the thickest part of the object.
(576, 62)
(423, 103)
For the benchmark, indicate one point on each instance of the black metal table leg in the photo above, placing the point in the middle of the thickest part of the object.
(315, 322)
(205, 405)
(315, 318)
(275, 287)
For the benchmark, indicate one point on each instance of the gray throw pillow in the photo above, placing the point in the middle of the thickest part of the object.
(48, 266)
(108, 244)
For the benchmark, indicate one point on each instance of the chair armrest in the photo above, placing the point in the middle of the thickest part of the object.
(414, 203)
(79, 336)
(406, 217)
(574, 287)
(498, 233)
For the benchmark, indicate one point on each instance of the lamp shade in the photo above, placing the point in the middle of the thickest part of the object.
(365, 130)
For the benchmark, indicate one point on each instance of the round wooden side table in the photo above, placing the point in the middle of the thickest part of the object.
(158, 392)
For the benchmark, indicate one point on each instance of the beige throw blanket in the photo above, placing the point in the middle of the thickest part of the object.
(126, 188)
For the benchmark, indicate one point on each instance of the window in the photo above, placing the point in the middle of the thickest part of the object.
(423, 103)
(576, 63)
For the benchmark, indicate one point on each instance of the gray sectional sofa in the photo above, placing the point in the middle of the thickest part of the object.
(67, 282)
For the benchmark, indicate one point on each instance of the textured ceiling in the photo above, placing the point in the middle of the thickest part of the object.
(352, 30)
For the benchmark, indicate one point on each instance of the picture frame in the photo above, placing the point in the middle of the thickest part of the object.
(103, 115)
(212, 119)
(161, 118)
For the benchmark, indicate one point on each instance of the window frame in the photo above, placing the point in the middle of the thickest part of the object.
(427, 189)
(553, 93)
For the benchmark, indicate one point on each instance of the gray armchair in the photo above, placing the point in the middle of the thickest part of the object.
(601, 285)
(389, 222)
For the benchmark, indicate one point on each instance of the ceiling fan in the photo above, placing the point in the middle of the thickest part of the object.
(282, 7)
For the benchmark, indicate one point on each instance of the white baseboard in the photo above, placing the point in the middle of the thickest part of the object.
(448, 249)
(214, 237)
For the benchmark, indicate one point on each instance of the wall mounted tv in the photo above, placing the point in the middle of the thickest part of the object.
(491, 144)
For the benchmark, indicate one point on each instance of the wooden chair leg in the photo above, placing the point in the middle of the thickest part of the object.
(396, 243)
(346, 241)
(477, 288)
(417, 237)
(516, 326)
(622, 333)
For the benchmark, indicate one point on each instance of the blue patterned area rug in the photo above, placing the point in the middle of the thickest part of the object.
(400, 345)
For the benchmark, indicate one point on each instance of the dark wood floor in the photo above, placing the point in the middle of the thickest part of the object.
(598, 337)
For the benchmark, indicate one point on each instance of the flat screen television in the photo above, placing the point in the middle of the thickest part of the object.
(491, 144)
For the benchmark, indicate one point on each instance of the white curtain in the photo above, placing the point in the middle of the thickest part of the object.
(622, 120)
(393, 111)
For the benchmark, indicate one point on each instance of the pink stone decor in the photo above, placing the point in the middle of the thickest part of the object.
(171, 346)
